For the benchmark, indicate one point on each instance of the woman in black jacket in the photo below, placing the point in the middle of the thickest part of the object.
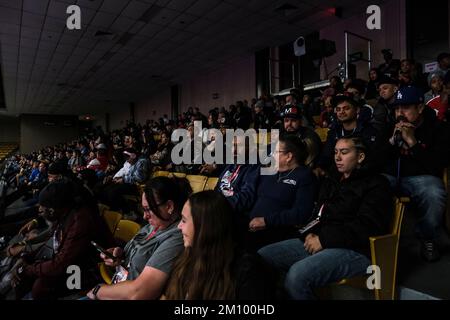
(353, 205)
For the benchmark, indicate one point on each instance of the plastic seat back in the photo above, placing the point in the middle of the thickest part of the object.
(112, 219)
(197, 182)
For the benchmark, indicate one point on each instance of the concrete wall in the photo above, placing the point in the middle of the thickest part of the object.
(119, 116)
(37, 131)
(154, 107)
(234, 82)
(9, 129)
(99, 120)
(392, 35)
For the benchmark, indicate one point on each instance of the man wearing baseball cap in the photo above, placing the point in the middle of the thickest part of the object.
(292, 124)
(417, 157)
(387, 87)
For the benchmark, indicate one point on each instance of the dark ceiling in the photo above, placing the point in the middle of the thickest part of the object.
(130, 49)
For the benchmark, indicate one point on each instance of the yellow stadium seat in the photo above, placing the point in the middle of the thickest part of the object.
(322, 133)
(384, 254)
(126, 230)
(112, 219)
(197, 182)
(211, 183)
(263, 138)
(106, 272)
(177, 174)
(160, 174)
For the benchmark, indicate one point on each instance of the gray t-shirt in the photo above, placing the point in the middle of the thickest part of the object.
(159, 252)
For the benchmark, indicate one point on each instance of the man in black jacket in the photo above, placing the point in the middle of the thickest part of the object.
(418, 155)
(381, 111)
(348, 124)
(292, 121)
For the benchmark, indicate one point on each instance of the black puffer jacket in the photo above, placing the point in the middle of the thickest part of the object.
(354, 209)
(428, 157)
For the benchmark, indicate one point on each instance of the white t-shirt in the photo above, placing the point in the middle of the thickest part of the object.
(124, 171)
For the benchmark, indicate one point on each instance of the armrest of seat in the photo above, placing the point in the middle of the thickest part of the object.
(105, 272)
(405, 199)
(384, 255)
(385, 245)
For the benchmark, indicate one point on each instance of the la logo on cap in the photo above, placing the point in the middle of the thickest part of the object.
(399, 95)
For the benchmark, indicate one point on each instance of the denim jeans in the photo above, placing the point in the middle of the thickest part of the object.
(428, 193)
(304, 272)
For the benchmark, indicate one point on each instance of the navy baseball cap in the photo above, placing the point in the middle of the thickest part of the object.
(408, 95)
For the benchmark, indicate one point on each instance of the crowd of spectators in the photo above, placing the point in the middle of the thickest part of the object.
(385, 136)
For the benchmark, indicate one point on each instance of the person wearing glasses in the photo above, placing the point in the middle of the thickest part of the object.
(285, 199)
(353, 204)
(144, 265)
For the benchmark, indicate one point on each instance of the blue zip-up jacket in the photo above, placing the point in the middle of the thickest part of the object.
(287, 198)
(241, 192)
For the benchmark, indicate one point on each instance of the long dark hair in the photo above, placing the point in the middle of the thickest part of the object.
(204, 270)
(162, 189)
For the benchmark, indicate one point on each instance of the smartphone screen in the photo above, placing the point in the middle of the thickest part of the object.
(100, 249)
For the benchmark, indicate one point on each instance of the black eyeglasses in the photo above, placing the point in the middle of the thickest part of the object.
(149, 210)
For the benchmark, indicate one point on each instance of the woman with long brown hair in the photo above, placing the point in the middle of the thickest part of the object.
(211, 266)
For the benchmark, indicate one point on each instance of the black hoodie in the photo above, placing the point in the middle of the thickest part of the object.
(354, 209)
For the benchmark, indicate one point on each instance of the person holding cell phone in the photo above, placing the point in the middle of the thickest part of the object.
(41, 273)
(354, 204)
(144, 264)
